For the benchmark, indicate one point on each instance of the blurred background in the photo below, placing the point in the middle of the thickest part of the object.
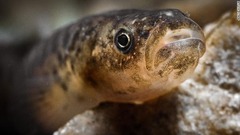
(29, 18)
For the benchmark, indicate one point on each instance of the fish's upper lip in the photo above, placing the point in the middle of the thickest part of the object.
(184, 34)
(199, 43)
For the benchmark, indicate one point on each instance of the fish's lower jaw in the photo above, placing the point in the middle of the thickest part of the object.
(173, 62)
(183, 41)
(182, 59)
(176, 56)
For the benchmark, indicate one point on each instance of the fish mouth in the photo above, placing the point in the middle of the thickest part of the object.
(177, 51)
(185, 38)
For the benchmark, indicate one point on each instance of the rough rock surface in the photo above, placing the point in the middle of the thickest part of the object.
(207, 104)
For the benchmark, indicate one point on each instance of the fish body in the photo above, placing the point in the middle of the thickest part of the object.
(128, 56)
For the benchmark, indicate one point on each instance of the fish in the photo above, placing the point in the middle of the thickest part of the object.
(123, 56)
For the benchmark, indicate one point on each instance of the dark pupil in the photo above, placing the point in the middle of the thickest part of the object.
(123, 40)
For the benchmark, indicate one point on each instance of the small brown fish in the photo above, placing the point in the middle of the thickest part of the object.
(129, 56)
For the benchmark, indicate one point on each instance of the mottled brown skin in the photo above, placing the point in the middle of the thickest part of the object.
(79, 66)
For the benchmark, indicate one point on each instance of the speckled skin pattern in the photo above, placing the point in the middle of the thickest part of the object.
(79, 66)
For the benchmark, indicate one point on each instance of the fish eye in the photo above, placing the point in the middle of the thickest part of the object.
(123, 40)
